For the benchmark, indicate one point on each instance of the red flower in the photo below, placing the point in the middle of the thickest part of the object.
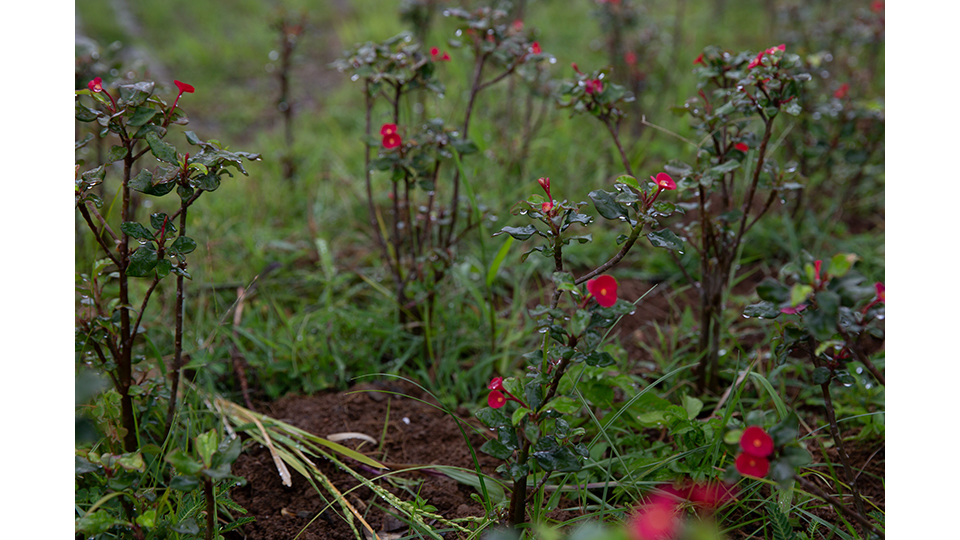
(741, 147)
(793, 310)
(630, 58)
(496, 383)
(756, 442)
(877, 6)
(604, 289)
(183, 87)
(445, 57)
(391, 141)
(546, 207)
(518, 25)
(881, 291)
(535, 48)
(496, 400)
(594, 86)
(388, 129)
(664, 181)
(816, 266)
(842, 91)
(699, 60)
(96, 85)
(435, 55)
(656, 521)
(748, 465)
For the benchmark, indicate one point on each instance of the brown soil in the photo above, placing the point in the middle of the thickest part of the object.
(416, 434)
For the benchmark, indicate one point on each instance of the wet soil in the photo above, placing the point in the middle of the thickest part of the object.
(408, 433)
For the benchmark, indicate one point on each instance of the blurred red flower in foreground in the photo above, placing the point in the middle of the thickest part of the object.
(756, 442)
(655, 521)
(535, 48)
(594, 86)
(842, 91)
(604, 289)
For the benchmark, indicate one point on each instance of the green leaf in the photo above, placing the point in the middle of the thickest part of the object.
(628, 180)
(116, 153)
(206, 445)
(520, 233)
(464, 146)
(183, 463)
(606, 204)
(519, 415)
(723, 168)
(599, 359)
(821, 375)
(762, 310)
(552, 457)
(162, 150)
(147, 519)
(187, 526)
(496, 449)
(564, 282)
(157, 222)
(793, 108)
(563, 404)
(136, 230)
(733, 436)
(799, 293)
(131, 462)
(777, 401)
(840, 264)
(97, 522)
(492, 417)
(143, 183)
(141, 116)
(142, 261)
(772, 290)
(227, 452)
(192, 137)
(183, 245)
(665, 239)
(133, 95)
(207, 182)
(498, 260)
(692, 405)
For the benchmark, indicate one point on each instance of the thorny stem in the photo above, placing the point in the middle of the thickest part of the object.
(812, 488)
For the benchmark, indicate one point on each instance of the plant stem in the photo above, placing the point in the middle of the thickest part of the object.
(812, 488)
(124, 363)
(211, 507)
(518, 497)
(837, 439)
(178, 332)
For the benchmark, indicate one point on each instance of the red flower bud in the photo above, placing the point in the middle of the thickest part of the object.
(184, 87)
(741, 147)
